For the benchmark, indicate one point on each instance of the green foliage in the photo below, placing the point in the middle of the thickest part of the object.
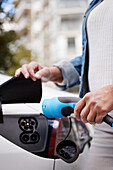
(6, 58)
(10, 59)
(21, 56)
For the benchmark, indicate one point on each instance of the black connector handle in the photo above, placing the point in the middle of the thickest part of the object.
(109, 120)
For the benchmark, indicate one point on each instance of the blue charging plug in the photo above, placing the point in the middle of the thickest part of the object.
(61, 107)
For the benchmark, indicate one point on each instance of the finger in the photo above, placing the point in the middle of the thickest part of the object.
(100, 116)
(78, 108)
(99, 119)
(45, 79)
(31, 73)
(18, 72)
(84, 113)
(25, 71)
(92, 116)
(33, 69)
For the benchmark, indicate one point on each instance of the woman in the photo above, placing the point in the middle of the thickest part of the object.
(95, 67)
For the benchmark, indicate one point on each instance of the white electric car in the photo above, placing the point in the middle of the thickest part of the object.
(30, 141)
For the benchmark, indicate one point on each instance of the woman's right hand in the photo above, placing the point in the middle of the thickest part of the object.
(36, 71)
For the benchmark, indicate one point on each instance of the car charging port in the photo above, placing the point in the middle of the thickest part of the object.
(30, 138)
(25, 138)
(28, 124)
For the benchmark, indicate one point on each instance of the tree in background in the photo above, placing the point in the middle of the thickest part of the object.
(12, 55)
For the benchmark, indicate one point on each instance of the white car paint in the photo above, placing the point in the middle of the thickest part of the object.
(13, 157)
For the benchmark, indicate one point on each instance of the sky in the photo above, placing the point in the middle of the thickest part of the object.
(8, 7)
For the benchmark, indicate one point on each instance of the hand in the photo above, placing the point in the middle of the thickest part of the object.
(36, 71)
(95, 105)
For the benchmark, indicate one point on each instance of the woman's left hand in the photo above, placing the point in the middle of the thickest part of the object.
(94, 106)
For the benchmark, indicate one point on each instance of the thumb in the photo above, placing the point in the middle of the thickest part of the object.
(45, 72)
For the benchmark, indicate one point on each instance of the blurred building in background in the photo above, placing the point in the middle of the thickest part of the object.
(56, 29)
(22, 19)
(52, 29)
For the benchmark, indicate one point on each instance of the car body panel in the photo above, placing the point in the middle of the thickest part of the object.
(13, 157)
